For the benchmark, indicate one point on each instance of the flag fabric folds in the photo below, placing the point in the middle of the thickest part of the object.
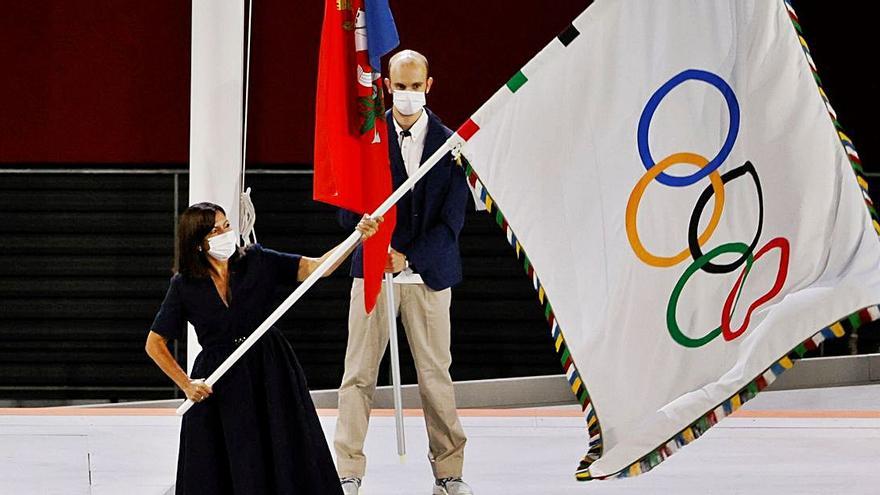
(687, 207)
(382, 36)
(352, 170)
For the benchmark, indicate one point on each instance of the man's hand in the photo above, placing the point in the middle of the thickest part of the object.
(396, 262)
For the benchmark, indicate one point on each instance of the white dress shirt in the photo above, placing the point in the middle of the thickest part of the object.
(411, 148)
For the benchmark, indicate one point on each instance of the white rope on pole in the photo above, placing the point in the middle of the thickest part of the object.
(247, 218)
(350, 242)
(395, 365)
(247, 77)
(247, 214)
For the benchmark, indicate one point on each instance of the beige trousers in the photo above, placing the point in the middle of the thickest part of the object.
(425, 315)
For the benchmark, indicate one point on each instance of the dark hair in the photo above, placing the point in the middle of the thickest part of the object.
(195, 223)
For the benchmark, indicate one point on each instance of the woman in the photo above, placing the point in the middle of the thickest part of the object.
(257, 432)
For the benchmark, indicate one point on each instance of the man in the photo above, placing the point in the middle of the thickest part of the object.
(425, 257)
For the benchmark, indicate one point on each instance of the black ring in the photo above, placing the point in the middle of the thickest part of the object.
(693, 242)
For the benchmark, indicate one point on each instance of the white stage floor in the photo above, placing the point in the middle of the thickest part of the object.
(819, 441)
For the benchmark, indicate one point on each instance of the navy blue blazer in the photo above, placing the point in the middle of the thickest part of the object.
(430, 217)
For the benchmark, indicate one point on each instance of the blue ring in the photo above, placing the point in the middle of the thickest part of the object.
(654, 102)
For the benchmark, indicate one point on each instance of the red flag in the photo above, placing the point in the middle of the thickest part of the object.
(352, 170)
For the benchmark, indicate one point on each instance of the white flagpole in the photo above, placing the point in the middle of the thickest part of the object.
(395, 365)
(453, 141)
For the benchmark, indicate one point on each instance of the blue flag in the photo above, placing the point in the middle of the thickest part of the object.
(381, 32)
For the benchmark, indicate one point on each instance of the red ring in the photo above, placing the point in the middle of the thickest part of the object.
(782, 244)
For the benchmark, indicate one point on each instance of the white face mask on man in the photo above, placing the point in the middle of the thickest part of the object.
(408, 102)
(223, 246)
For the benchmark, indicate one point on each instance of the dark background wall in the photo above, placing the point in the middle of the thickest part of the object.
(108, 80)
(86, 261)
(105, 83)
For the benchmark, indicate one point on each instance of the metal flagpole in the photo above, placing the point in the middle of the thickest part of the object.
(454, 141)
(395, 365)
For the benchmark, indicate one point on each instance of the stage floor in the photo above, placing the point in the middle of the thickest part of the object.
(814, 441)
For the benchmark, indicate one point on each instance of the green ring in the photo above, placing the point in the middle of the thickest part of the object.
(671, 323)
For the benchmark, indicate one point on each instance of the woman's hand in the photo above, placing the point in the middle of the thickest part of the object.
(197, 390)
(368, 226)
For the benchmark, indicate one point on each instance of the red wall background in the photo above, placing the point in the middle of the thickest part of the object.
(94, 81)
(107, 81)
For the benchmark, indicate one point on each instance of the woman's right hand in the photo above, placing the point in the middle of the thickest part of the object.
(369, 226)
(197, 390)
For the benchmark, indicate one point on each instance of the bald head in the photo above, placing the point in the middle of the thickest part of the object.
(408, 57)
(408, 71)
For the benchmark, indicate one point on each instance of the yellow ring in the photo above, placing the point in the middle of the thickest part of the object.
(632, 209)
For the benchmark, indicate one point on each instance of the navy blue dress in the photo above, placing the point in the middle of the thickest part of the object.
(259, 432)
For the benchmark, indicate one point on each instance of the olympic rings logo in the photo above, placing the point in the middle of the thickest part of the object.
(714, 192)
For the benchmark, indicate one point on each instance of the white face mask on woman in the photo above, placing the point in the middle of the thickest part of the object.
(408, 102)
(223, 246)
